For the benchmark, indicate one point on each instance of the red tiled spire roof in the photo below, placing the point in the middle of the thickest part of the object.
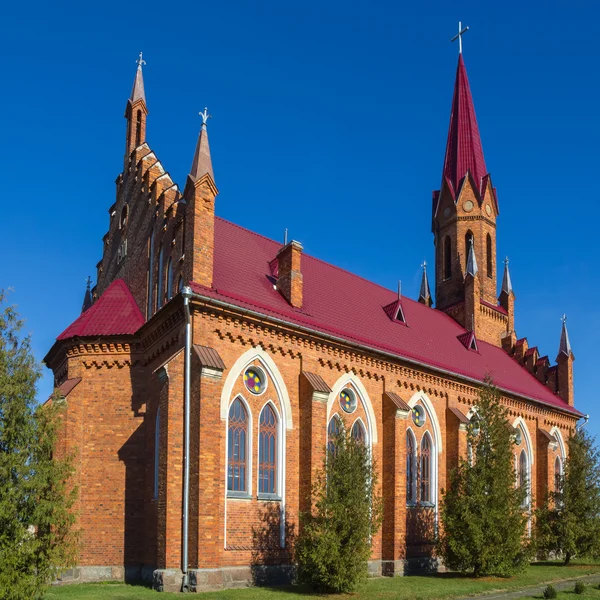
(114, 313)
(464, 152)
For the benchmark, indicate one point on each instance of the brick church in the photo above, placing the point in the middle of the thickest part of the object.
(210, 364)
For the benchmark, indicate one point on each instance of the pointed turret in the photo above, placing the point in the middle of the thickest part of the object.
(464, 152)
(200, 193)
(136, 112)
(564, 366)
(506, 282)
(471, 261)
(202, 163)
(87, 298)
(507, 302)
(425, 293)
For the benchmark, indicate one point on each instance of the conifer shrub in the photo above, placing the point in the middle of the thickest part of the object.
(483, 522)
(579, 588)
(36, 535)
(550, 592)
(334, 544)
(568, 522)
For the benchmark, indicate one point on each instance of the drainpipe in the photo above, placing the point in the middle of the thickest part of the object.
(579, 427)
(187, 294)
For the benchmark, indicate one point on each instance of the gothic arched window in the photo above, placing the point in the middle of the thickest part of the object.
(138, 129)
(159, 291)
(237, 447)
(523, 476)
(489, 261)
(267, 451)
(447, 257)
(426, 468)
(557, 474)
(411, 462)
(333, 430)
(358, 432)
(170, 278)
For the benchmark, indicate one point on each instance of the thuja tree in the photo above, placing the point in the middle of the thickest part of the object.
(36, 536)
(334, 545)
(483, 522)
(568, 523)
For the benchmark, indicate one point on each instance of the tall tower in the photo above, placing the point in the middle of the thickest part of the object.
(465, 208)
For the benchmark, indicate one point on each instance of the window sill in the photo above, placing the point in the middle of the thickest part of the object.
(268, 497)
(238, 496)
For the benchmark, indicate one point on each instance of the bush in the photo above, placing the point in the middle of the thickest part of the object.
(579, 587)
(334, 544)
(550, 592)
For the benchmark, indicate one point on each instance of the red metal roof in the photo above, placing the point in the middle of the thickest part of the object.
(344, 305)
(464, 152)
(114, 313)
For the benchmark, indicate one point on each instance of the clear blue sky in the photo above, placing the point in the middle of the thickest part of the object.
(330, 119)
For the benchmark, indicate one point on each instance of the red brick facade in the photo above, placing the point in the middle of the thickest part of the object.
(130, 509)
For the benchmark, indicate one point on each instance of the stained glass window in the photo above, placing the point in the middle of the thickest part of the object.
(523, 475)
(418, 415)
(410, 467)
(358, 432)
(348, 400)
(237, 440)
(267, 451)
(333, 430)
(254, 380)
(426, 468)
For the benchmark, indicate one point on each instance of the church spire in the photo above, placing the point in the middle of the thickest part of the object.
(464, 152)
(472, 260)
(425, 293)
(565, 345)
(87, 299)
(202, 163)
(506, 281)
(136, 112)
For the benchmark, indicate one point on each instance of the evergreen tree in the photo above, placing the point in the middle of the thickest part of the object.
(568, 523)
(483, 523)
(36, 535)
(334, 544)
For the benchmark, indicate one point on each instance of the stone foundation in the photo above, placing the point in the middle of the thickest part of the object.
(87, 574)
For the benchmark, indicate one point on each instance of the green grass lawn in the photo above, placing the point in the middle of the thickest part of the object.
(402, 588)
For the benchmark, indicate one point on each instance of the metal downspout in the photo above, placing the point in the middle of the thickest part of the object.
(187, 294)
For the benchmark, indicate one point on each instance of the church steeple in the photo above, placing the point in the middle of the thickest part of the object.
(87, 298)
(424, 292)
(464, 208)
(136, 112)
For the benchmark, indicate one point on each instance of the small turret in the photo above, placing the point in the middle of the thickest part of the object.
(136, 112)
(564, 361)
(425, 293)
(507, 302)
(87, 298)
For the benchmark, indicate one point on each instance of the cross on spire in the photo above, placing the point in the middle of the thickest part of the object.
(506, 261)
(140, 61)
(458, 36)
(564, 319)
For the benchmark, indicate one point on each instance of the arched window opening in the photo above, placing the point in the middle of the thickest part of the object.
(159, 292)
(557, 474)
(150, 275)
(488, 243)
(426, 468)
(156, 452)
(267, 452)
(523, 477)
(124, 216)
(237, 447)
(469, 239)
(170, 278)
(358, 432)
(180, 283)
(411, 461)
(447, 257)
(333, 430)
(138, 129)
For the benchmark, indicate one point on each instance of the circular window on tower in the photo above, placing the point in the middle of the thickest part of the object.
(255, 380)
(348, 400)
(418, 416)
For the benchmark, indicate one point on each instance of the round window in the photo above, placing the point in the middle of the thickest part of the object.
(348, 400)
(517, 436)
(418, 416)
(255, 380)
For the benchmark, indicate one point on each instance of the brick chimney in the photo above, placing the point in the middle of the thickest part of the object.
(289, 281)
